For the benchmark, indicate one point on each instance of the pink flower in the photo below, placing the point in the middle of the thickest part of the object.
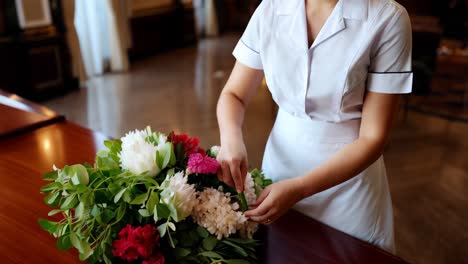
(135, 243)
(203, 164)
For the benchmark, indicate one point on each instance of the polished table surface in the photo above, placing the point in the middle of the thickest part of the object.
(18, 115)
(25, 157)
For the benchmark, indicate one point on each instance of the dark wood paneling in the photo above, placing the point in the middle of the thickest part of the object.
(155, 31)
(36, 62)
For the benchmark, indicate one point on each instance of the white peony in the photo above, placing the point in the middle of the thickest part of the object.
(180, 194)
(215, 212)
(138, 155)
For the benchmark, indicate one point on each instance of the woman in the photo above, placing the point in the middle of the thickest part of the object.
(336, 69)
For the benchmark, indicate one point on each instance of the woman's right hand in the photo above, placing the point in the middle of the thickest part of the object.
(240, 88)
(232, 157)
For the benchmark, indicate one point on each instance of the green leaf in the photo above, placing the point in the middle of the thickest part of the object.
(209, 243)
(181, 252)
(152, 202)
(121, 212)
(140, 199)
(243, 241)
(48, 226)
(202, 232)
(80, 188)
(50, 176)
(70, 202)
(211, 254)
(78, 174)
(174, 213)
(165, 153)
(95, 211)
(171, 226)
(144, 212)
(159, 159)
(105, 217)
(113, 188)
(75, 241)
(119, 195)
(64, 243)
(163, 211)
(106, 259)
(50, 199)
(79, 211)
(51, 187)
(127, 197)
(236, 261)
(237, 248)
(54, 212)
(87, 252)
(173, 159)
(162, 229)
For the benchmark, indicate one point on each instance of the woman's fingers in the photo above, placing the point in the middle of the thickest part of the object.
(261, 209)
(226, 176)
(262, 196)
(236, 175)
(243, 170)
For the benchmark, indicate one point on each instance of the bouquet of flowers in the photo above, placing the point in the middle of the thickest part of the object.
(152, 198)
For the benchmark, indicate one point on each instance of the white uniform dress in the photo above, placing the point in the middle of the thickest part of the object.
(365, 45)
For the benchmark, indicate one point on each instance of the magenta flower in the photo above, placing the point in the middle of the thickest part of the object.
(202, 164)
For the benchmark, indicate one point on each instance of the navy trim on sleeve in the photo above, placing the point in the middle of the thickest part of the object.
(390, 72)
(249, 47)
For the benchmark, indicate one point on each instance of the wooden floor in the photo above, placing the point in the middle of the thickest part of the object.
(427, 158)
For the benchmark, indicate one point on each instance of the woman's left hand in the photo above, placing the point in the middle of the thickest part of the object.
(275, 200)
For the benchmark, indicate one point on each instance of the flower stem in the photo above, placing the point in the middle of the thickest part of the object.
(243, 202)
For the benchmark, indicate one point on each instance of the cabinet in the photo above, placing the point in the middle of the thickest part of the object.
(35, 62)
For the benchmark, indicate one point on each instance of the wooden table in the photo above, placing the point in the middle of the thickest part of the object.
(18, 115)
(25, 157)
(34, 138)
(23, 160)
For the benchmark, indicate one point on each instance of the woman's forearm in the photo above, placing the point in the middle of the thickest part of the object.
(344, 165)
(230, 113)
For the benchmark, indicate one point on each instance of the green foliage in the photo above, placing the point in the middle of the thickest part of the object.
(261, 182)
(96, 202)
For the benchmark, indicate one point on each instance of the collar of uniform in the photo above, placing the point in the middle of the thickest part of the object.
(352, 9)
(355, 9)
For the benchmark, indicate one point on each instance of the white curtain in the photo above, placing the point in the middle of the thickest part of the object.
(103, 33)
(72, 40)
(206, 18)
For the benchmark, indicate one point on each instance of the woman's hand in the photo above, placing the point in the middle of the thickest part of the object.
(275, 200)
(232, 157)
(240, 88)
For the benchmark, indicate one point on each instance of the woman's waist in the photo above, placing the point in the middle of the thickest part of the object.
(305, 127)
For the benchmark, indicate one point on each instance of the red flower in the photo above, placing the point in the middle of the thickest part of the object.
(134, 243)
(156, 259)
(189, 145)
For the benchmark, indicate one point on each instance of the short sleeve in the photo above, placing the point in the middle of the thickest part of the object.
(390, 68)
(247, 50)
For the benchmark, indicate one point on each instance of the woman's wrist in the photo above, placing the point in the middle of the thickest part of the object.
(305, 185)
(298, 185)
(231, 135)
